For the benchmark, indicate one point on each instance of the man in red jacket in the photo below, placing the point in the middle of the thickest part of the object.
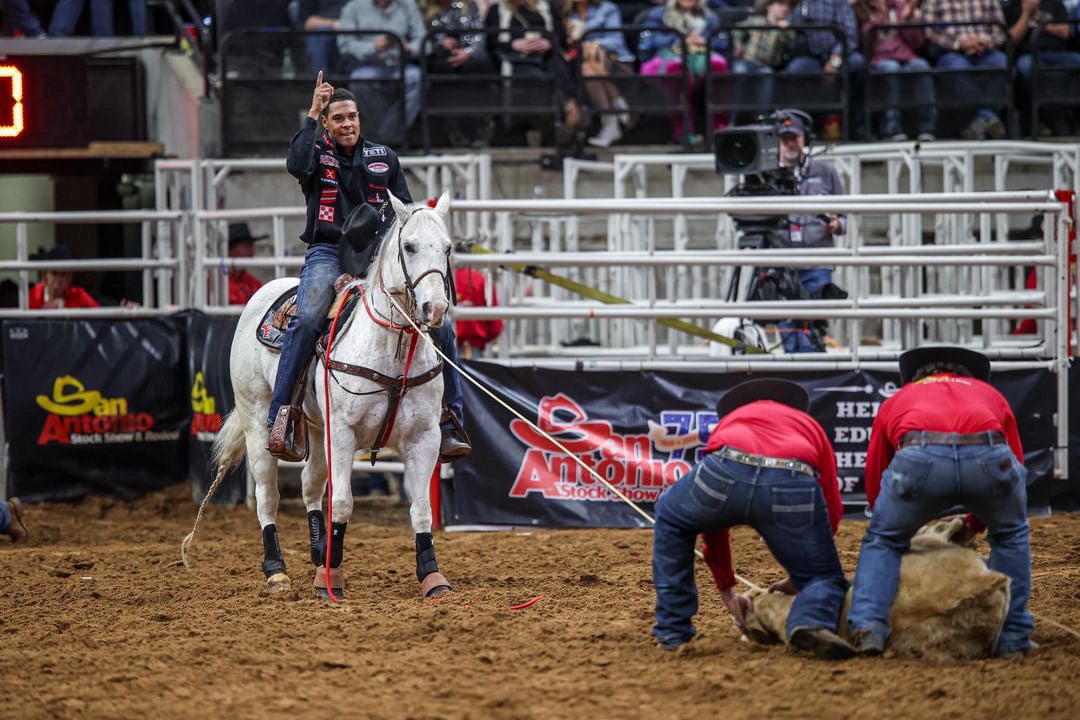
(768, 465)
(55, 290)
(947, 438)
(242, 284)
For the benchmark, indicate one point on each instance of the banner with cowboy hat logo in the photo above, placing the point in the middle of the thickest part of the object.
(93, 406)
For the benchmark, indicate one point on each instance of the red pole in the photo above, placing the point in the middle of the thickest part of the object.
(435, 492)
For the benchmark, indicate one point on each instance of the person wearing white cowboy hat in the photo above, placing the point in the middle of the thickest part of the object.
(768, 464)
(947, 438)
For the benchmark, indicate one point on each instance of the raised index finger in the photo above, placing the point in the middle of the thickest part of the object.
(318, 80)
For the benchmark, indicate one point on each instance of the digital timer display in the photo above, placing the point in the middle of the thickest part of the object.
(42, 101)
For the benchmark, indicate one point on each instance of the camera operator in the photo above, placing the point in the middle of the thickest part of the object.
(812, 177)
(773, 158)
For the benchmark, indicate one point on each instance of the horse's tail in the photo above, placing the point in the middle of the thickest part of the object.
(229, 449)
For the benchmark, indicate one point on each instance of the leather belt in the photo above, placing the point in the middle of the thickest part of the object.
(922, 437)
(766, 462)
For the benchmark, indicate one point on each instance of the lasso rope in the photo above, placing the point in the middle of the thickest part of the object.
(603, 481)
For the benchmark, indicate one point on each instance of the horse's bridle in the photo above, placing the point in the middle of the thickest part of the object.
(410, 285)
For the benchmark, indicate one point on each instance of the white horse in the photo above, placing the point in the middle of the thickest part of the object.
(412, 266)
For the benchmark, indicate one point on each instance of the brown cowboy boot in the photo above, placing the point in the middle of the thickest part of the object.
(288, 436)
(455, 441)
(17, 530)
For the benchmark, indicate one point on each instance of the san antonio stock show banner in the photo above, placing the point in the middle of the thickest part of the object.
(642, 431)
(94, 406)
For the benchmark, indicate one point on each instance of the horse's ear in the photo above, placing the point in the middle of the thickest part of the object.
(401, 210)
(443, 205)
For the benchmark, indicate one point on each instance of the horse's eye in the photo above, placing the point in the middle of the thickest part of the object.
(410, 248)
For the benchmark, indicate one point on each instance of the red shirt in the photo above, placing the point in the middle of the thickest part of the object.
(775, 430)
(469, 285)
(939, 403)
(74, 297)
(242, 285)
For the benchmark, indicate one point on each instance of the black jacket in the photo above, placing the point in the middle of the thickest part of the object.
(334, 182)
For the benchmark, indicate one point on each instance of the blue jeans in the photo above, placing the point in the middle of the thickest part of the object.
(758, 89)
(793, 333)
(5, 517)
(855, 66)
(964, 87)
(786, 508)
(323, 53)
(923, 87)
(389, 115)
(314, 297)
(19, 16)
(67, 13)
(922, 482)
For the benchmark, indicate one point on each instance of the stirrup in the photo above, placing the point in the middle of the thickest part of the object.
(289, 436)
(456, 444)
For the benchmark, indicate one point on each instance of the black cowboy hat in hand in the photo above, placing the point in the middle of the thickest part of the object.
(976, 363)
(784, 392)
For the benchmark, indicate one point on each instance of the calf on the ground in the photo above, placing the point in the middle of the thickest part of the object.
(949, 606)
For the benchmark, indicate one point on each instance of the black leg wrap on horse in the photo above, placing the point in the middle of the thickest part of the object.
(272, 560)
(425, 556)
(338, 550)
(317, 532)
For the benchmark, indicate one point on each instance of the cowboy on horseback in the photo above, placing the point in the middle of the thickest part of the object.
(338, 173)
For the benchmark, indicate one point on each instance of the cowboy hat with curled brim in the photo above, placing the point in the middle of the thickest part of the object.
(57, 252)
(976, 363)
(240, 232)
(784, 392)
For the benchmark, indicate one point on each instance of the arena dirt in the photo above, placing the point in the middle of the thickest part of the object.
(98, 619)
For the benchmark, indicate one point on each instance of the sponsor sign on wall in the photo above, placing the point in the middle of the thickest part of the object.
(643, 431)
(93, 406)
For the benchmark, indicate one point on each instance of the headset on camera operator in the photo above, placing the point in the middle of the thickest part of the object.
(774, 157)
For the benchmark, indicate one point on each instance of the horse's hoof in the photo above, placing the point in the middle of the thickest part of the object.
(434, 585)
(278, 583)
(336, 583)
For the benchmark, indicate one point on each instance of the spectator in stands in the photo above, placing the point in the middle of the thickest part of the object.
(56, 290)
(456, 51)
(601, 55)
(813, 177)
(67, 13)
(473, 336)
(822, 51)
(11, 520)
(372, 57)
(896, 50)
(761, 52)
(1041, 33)
(242, 284)
(18, 17)
(693, 23)
(324, 17)
(979, 44)
(532, 47)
